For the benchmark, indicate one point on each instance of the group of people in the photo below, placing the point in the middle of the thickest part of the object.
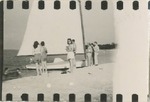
(92, 52)
(40, 57)
(71, 49)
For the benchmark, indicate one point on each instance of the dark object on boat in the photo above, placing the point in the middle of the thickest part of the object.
(64, 72)
(89, 73)
(9, 74)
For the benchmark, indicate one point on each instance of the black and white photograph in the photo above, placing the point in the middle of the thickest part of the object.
(76, 50)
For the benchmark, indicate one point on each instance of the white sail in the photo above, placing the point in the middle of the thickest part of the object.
(53, 27)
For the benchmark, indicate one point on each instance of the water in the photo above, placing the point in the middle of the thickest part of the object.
(12, 62)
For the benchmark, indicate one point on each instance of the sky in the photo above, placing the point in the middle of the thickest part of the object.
(98, 24)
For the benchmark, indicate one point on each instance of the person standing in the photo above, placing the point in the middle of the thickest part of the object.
(89, 55)
(37, 57)
(92, 58)
(74, 50)
(74, 46)
(44, 57)
(96, 52)
(70, 54)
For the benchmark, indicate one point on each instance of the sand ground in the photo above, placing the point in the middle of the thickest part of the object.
(94, 80)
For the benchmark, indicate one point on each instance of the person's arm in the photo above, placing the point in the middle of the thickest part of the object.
(67, 48)
(87, 50)
(33, 51)
(75, 47)
(5, 72)
(46, 50)
(40, 50)
(98, 48)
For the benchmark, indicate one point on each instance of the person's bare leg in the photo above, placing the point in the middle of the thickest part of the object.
(69, 70)
(42, 69)
(72, 65)
(89, 61)
(45, 67)
(37, 69)
(96, 58)
(92, 60)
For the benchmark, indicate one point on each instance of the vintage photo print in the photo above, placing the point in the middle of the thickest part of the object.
(75, 50)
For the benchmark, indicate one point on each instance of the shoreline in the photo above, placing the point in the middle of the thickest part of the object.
(94, 80)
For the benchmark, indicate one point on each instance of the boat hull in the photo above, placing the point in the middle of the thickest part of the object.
(58, 65)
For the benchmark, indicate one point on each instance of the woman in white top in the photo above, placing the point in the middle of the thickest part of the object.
(44, 57)
(37, 56)
(70, 54)
(89, 54)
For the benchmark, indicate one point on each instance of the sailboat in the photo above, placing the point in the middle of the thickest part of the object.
(54, 26)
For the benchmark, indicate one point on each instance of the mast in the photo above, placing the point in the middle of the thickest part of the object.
(1, 45)
(82, 26)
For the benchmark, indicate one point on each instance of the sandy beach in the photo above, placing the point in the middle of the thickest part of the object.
(94, 80)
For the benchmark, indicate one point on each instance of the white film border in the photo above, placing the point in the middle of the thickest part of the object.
(131, 27)
(131, 72)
